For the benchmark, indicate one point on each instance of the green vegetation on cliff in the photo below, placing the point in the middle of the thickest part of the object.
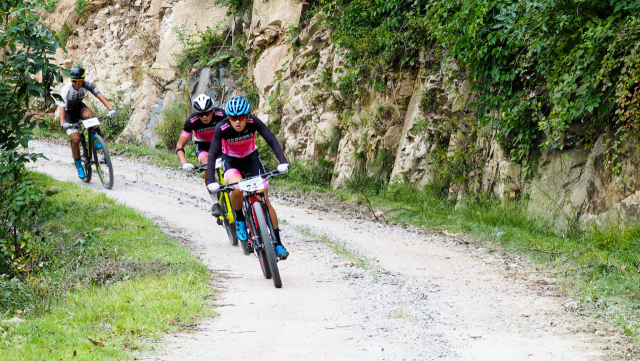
(537, 67)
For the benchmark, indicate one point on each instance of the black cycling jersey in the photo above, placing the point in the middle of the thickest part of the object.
(202, 132)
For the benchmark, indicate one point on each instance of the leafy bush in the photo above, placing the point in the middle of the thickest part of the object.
(172, 122)
(318, 173)
(64, 33)
(200, 48)
(535, 65)
(235, 5)
(80, 8)
(372, 178)
(13, 294)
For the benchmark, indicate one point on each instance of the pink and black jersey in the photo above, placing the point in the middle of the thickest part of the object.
(240, 145)
(202, 132)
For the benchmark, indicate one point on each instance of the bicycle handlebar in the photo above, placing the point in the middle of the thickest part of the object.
(78, 124)
(200, 168)
(229, 187)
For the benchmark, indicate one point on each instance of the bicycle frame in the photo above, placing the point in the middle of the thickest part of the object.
(249, 198)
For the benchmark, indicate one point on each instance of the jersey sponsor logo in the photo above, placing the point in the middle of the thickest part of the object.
(219, 114)
(240, 138)
(192, 120)
(225, 126)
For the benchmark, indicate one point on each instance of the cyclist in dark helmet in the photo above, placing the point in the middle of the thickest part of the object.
(73, 109)
(234, 140)
(202, 122)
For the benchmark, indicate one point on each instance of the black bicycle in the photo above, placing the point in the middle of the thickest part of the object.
(96, 153)
(228, 218)
(261, 234)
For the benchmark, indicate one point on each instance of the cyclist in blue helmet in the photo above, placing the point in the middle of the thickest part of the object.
(234, 140)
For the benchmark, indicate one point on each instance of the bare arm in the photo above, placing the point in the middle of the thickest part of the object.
(62, 115)
(182, 142)
(104, 101)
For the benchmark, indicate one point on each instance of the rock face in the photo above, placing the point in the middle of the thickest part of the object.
(132, 43)
(421, 121)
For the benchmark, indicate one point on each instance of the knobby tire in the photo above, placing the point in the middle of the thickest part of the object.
(103, 162)
(267, 244)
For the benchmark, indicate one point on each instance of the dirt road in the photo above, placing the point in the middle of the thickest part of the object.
(430, 299)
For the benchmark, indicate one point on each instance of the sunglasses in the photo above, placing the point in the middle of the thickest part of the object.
(77, 81)
(205, 114)
(239, 118)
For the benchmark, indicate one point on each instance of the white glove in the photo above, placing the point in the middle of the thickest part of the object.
(112, 113)
(187, 167)
(283, 168)
(65, 125)
(213, 187)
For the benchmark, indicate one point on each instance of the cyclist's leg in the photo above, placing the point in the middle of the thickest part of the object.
(202, 152)
(231, 174)
(74, 136)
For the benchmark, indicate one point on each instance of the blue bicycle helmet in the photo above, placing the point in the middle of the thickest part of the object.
(237, 106)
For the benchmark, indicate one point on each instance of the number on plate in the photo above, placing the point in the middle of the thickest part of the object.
(252, 185)
(91, 122)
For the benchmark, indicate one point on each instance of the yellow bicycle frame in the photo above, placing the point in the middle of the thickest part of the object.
(224, 197)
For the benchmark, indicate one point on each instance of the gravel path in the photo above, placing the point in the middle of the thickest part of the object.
(425, 297)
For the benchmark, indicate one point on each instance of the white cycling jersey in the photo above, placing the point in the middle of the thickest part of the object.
(72, 99)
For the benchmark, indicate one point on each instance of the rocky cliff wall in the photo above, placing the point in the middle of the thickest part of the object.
(422, 121)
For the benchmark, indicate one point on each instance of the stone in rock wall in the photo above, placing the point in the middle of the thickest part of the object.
(208, 14)
(264, 73)
(279, 13)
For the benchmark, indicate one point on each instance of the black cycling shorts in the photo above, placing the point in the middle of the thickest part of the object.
(249, 166)
(201, 148)
(74, 115)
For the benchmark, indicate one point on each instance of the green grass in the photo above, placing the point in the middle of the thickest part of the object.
(599, 267)
(342, 249)
(112, 281)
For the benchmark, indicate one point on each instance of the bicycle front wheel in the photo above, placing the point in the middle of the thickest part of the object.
(86, 160)
(267, 244)
(103, 161)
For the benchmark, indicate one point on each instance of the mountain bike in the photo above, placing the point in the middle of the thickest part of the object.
(228, 217)
(94, 154)
(261, 234)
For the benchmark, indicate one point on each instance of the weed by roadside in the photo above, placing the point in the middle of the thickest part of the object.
(599, 267)
(109, 280)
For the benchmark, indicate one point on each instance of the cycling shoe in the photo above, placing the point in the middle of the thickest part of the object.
(80, 170)
(248, 246)
(282, 252)
(241, 231)
(216, 211)
(98, 145)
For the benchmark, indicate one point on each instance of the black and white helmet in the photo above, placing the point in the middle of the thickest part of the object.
(202, 103)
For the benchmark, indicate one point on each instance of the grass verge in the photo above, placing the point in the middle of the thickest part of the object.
(340, 248)
(110, 281)
(600, 268)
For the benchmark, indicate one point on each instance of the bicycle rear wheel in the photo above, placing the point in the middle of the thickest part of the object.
(267, 245)
(103, 161)
(86, 160)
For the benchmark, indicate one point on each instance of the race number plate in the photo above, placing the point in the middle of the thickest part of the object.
(218, 162)
(91, 122)
(251, 185)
